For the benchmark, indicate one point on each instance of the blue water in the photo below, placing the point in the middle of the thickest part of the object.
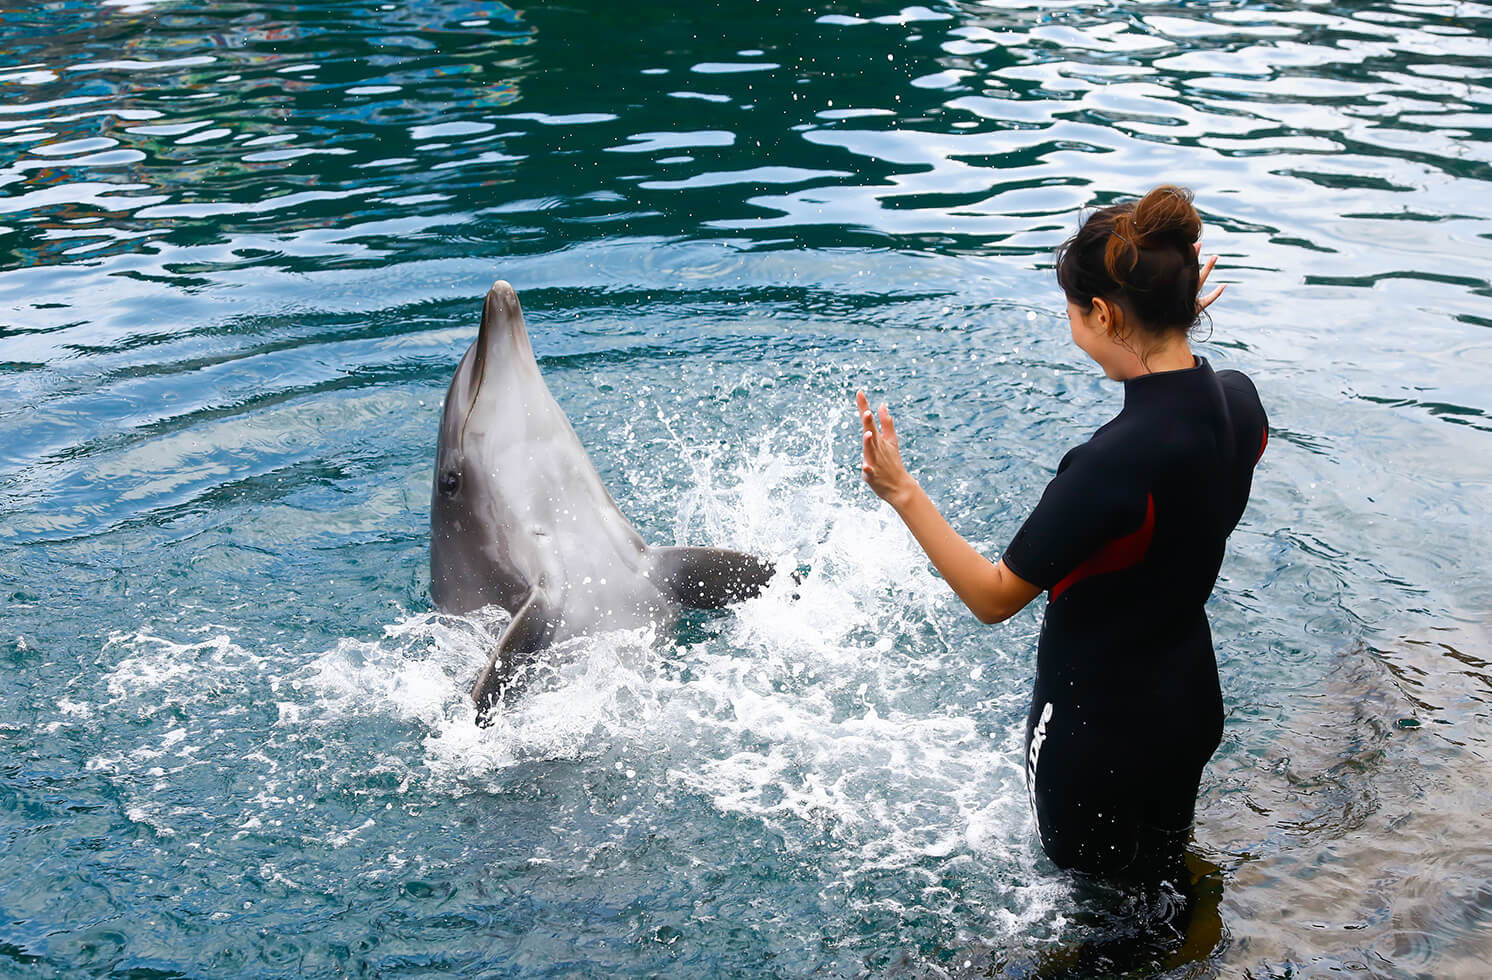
(245, 245)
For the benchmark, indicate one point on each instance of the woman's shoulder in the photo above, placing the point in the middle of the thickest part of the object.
(1110, 448)
(1235, 382)
(1243, 397)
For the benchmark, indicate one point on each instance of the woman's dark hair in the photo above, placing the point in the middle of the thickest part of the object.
(1139, 256)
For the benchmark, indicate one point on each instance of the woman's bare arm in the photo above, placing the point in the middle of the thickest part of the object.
(992, 592)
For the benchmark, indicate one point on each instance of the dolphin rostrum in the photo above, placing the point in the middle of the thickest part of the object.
(519, 517)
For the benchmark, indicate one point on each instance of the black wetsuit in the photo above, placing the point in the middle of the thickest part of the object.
(1128, 538)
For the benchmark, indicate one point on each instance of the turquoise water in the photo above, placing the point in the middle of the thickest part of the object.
(245, 245)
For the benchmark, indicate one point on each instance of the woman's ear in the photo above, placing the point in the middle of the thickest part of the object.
(1107, 321)
(1111, 321)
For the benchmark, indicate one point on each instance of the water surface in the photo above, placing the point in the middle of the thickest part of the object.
(245, 245)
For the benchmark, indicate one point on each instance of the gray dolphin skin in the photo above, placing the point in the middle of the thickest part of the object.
(519, 517)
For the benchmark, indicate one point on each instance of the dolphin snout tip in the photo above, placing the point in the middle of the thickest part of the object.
(502, 310)
(503, 293)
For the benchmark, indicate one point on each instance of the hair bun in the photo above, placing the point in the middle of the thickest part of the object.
(1165, 216)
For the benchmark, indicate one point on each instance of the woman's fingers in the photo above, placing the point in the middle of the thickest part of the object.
(1206, 267)
(867, 430)
(1206, 301)
(867, 421)
(881, 465)
(881, 452)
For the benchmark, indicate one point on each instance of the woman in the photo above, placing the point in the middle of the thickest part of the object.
(1127, 540)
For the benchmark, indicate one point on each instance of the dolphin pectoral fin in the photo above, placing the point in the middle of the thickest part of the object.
(710, 578)
(530, 631)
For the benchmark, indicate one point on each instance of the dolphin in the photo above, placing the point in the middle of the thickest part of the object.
(519, 517)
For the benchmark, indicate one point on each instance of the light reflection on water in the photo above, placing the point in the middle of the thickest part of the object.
(244, 250)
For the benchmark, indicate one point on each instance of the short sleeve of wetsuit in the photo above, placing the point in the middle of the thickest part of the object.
(1250, 424)
(1087, 505)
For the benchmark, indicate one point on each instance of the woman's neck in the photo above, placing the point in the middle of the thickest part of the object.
(1122, 362)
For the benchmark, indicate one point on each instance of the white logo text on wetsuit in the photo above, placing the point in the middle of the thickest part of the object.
(1032, 756)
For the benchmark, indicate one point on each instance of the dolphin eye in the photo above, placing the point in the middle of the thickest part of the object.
(449, 481)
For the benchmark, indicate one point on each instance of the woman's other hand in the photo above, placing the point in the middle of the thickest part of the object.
(883, 468)
(1205, 301)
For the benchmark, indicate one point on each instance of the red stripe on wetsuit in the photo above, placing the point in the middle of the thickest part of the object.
(1118, 554)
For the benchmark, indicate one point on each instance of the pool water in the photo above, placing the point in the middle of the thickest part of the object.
(246, 244)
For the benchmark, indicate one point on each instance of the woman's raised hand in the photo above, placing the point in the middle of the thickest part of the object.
(883, 468)
(1205, 301)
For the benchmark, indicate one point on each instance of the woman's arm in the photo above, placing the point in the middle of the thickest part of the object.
(992, 592)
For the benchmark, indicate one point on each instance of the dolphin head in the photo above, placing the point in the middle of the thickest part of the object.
(470, 566)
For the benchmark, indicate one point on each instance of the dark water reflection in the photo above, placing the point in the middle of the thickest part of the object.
(243, 245)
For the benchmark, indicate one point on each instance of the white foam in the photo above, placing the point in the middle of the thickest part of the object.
(157, 673)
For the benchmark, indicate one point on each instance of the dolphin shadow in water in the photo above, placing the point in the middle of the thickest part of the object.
(519, 517)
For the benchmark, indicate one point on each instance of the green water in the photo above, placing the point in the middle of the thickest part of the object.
(245, 245)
